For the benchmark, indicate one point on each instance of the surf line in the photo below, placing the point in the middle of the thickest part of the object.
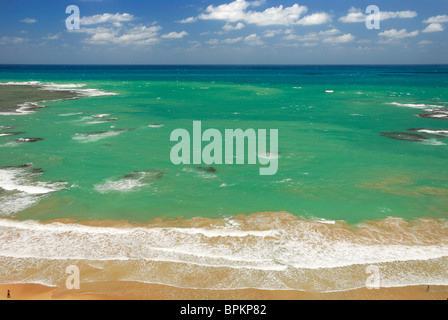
(189, 149)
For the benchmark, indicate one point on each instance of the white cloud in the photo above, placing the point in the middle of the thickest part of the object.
(115, 29)
(315, 19)
(424, 42)
(231, 41)
(106, 18)
(331, 36)
(175, 35)
(437, 19)
(276, 16)
(348, 37)
(253, 40)
(357, 15)
(330, 32)
(240, 11)
(12, 40)
(139, 35)
(212, 42)
(51, 37)
(354, 15)
(312, 36)
(395, 34)
(385, 15)
(29, 20)
(310, 44)
(232, 12)
(271, 33)
(188, 20)
(434, 27)
(230, 27)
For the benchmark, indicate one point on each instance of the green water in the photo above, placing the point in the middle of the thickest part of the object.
(333, 161)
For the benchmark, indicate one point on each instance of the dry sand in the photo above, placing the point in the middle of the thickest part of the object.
(139, 291)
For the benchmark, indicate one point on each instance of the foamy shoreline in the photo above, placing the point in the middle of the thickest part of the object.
(266, 252)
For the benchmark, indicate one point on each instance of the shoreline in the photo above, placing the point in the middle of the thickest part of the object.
(281, 255)
(155, 292)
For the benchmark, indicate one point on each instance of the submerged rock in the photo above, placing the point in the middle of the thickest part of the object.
(8, 134)
(207, 169)
(34, 107)
(108, 120)
(99, 133)
(20, 167)
(2, 128)
(101, 116)
(39, 171)
(145, 176)
(435, 114)
(156, 125)
(404, 136)
(28, 140)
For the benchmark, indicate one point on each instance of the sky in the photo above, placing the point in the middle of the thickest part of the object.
(224, 32)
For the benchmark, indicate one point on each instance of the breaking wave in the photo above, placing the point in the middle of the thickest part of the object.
(269, 251)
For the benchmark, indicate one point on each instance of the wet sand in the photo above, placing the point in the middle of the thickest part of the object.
(139, 291)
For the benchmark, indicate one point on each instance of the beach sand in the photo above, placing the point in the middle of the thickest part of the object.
(139, 291)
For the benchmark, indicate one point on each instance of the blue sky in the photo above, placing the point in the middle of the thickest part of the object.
(224, 32)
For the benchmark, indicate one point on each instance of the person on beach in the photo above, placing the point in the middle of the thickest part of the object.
(8, 296)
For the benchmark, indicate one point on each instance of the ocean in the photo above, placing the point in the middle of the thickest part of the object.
(86, 176)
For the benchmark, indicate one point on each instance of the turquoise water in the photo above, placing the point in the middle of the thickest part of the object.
(334, 162)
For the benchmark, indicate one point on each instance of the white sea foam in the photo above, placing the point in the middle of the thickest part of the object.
(200, 173)
(76, 88)
(93, 137)
(123, 185)
(129, 183)
(442, 133)
(95, 93)
(439, 115)
(269, 156)
(102, 121)
(281, 258)
(307, 250)
(433, 142)
(70, 114)
(415, 106)
(23, 83)
(53, 86)
(24, 109)
(21, 189)
(101, 116)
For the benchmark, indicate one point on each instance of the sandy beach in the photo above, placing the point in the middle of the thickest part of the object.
(139, 291)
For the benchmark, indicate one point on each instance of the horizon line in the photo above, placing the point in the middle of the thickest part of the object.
(224, 64)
